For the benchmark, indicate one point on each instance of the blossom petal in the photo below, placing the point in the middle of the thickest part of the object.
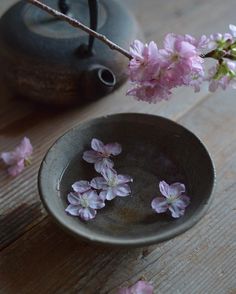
(122, 190)
(87, 213)
(136, 49)
(159, 204)
(141, 287)
(81, 186)
(176, 189)
(98, 145)
(113, 148)
(183, 201)
(91, 156)
(103, 195)
(95, 201)
(9, 158)
(16, 169)
(73, 210)
(123, 179)
(110, 193)
(73, 199)
(103, 164)
(164, 188)
(25, 149)
(176, 212)
(109, 174)
(99, 183)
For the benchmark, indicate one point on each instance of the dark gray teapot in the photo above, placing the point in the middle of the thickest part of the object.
(47, 60)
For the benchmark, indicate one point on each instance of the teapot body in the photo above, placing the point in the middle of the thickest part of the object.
(43, 58)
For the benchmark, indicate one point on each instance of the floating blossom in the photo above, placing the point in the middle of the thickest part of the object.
(112, 184)
(173, 199)
(85, 204)
(141, 287)
(19, 158)
(100, 155)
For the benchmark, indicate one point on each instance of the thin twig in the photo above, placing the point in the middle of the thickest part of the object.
(75, 23)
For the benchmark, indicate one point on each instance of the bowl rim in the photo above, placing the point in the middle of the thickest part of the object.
(137, 242)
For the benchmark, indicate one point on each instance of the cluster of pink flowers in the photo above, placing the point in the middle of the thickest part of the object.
(154, 72)
(19, 158)
(87, 197)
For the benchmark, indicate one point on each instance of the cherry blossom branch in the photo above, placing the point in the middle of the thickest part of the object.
(75, 23)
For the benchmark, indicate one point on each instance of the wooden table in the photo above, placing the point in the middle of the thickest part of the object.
(38, 257)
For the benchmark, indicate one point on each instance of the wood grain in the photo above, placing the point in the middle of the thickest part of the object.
(37, 257)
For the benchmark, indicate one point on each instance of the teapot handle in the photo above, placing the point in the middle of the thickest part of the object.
(93, 11)
(64, 7)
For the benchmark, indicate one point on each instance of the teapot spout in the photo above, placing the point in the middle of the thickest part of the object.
(98, 81)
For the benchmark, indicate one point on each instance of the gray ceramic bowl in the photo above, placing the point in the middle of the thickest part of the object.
(154, 149)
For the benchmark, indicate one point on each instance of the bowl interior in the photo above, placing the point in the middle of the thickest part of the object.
(153, 149)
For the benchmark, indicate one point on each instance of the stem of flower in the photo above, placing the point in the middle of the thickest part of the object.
(81, 26)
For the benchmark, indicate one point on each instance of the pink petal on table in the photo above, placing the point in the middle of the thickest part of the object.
(25, 148)
(16, 169)
(141, 287)
(9, 157)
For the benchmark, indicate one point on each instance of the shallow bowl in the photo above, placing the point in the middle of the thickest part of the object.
(154, 149)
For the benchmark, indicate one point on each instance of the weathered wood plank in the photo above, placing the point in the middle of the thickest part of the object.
(46, 260)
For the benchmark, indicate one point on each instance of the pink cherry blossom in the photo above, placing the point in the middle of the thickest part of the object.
(101, 153)
(112, 184)
(85, 204)
(141, 287)
(19, 158)
(155, 72)
(172, 199)
(144, 62)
